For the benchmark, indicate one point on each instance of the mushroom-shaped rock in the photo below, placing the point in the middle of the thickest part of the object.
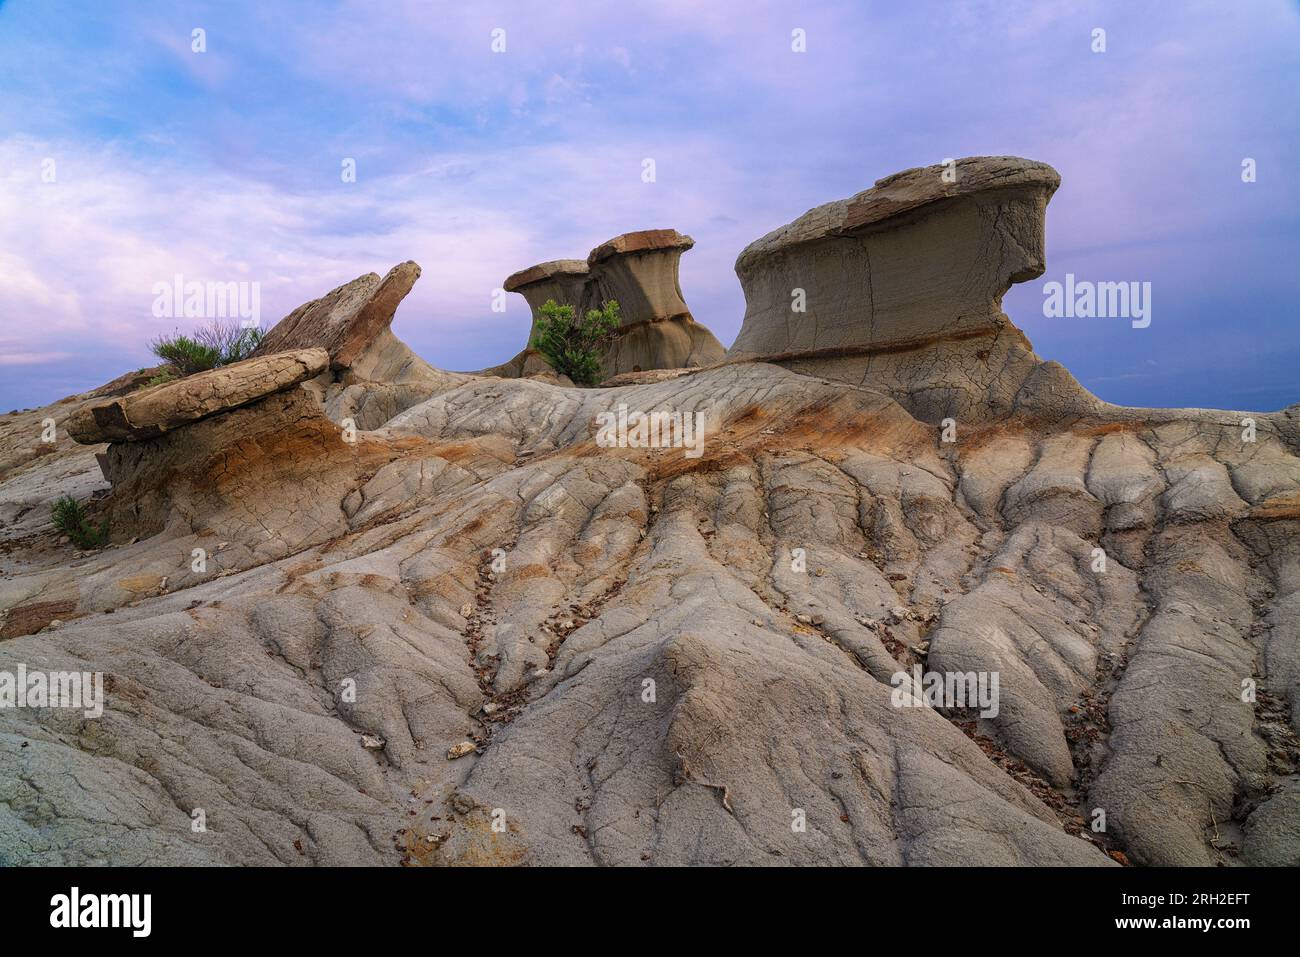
(657, 331)
(345, 321)
(640, 271)
(564, 280)
(151, 412)
(900, 287)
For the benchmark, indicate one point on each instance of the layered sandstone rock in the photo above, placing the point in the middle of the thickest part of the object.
(342, 342)
(152, 411)
(350, 370)
(562, 280)
(657, 331)
(900, 288)
(566, 282)
(373, 374)
(639, 270)
(346, 320)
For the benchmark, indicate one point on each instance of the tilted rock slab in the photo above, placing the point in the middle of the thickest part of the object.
(345, 321)
(152, 411)
(374, 374)
(902, 285)
(525, 364)
(369, 375)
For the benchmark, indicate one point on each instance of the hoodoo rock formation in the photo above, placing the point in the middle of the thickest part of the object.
(345, 321)
(900, 287)
(563, 280)
(373, 374)
(639, 270)
(657, 331)
(356, 608)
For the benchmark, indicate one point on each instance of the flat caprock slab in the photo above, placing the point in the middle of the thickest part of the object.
(150, 412)
(901, 193)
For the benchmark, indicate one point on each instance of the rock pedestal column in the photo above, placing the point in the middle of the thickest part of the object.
(639, 270)
(564, 280)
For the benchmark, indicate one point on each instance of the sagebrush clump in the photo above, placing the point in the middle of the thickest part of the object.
(573, 346)
(216, 344)
(232, 341)
(71, 519)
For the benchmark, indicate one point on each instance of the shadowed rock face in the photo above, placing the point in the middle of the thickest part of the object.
(901, 288)
(657, 331)
(564, 280)
(639, 270)
(499, 586)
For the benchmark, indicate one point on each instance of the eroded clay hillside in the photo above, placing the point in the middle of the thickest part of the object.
(356, 609)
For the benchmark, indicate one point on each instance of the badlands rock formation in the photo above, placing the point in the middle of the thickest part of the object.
(563, 280)
(147, 413)
(901, 287)
(375, 375)
(369, 614)
(639, 270)
(346, 321)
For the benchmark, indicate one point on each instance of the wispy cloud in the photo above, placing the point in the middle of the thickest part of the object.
(32, 358)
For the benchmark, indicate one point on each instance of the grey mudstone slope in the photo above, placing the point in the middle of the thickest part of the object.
(429, 602)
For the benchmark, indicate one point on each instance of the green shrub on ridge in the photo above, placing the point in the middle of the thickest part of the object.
(574, 346)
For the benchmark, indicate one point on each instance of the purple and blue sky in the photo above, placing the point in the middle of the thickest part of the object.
(225, 165)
